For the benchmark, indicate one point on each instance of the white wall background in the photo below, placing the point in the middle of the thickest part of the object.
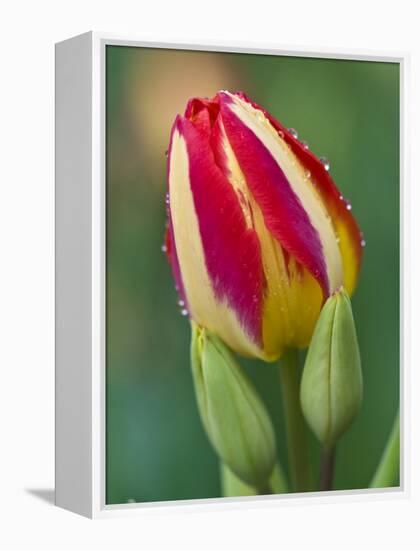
(28, 32)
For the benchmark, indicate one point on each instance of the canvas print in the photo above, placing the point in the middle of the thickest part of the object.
(252, 275)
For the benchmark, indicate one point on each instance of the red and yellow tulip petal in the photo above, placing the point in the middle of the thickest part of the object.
(219, 255)
(292, 209)
(169, 239)
(292, 298)
(345, 225)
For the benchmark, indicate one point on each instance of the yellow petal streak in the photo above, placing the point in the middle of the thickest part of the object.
(349, 256)
(204, 308)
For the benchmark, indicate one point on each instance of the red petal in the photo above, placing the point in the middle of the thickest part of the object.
(328, 191)
(232, 250)
(283, 212)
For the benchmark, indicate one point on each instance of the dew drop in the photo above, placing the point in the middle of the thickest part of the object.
(307, 174)
(348, 206)
(164, 248)
(341, 198)
(293, 132)
(305, 144)
(184, 312)
(167, 199)
(260, 116)
(181, 303)
(363, 243)
(326, 163)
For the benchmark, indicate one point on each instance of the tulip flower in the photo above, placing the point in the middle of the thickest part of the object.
(258, 234)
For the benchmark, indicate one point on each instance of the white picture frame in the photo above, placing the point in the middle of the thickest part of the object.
(80, 278)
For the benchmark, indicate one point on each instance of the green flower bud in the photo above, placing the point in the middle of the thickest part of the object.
(233, 415)
(332, 387)
(232, 486)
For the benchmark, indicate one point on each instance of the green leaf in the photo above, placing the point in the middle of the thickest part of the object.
(388, 471)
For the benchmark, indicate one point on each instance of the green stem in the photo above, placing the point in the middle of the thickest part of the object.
(388, 470)
(327, 469)
(299, 465)
(265, 490)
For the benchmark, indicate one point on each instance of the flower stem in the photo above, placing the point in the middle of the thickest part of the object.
(265, 490)
(387, 472)
(299, 465)
(327, 469)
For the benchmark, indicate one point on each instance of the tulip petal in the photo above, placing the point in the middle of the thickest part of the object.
(292, 209)
(169, 244)
(346, 227)
(202, 113)
(292, 297)
(219, 254)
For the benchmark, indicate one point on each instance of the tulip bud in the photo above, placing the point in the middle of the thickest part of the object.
(232, 486)
(233, 415)
(258, 234)
(332, 386)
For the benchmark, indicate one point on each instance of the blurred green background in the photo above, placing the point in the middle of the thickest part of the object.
(346, 110)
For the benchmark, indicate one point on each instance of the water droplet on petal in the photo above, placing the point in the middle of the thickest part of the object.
(293, 132)
(363, 243)
(184, 312)
(164, 248)
(181, 303)
(348, 206)
(305, 144)
(260, 116)
(307, 174)
(326, 163)
(341, 198)
(167, 199)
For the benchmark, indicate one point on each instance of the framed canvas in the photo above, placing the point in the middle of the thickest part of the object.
(229, 268)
